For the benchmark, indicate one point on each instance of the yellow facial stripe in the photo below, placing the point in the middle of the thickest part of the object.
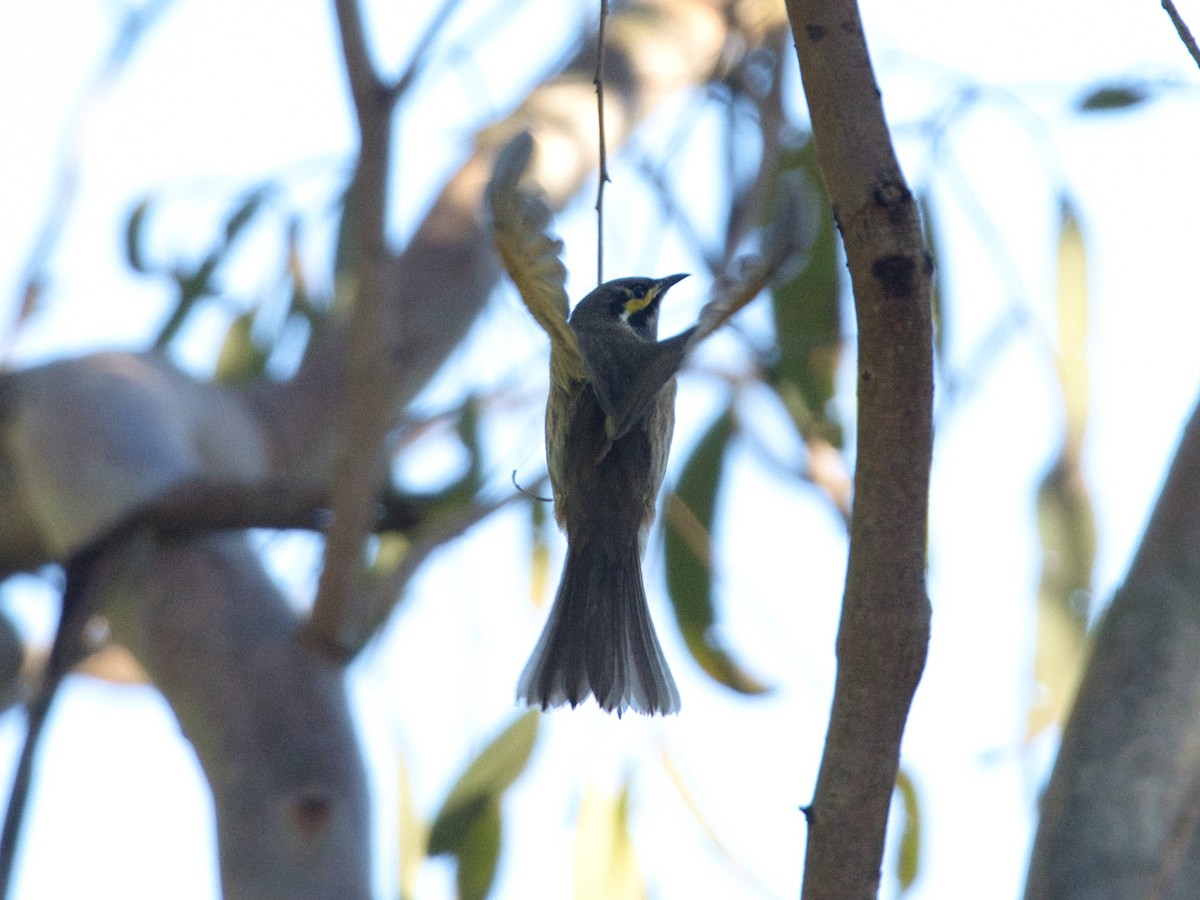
(637, 304)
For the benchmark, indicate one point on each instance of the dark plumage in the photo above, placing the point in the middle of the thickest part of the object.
(608, 434)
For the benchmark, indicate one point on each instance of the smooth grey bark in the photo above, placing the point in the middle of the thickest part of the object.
(1119, 817)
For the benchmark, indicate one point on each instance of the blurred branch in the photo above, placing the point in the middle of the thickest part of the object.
(884, 632)
(269, 721)
(1122, 795)
(1185, 33)
(340, 612)
(421, 51)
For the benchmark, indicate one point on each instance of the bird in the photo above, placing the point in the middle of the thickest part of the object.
(608, 435)
(610, 414)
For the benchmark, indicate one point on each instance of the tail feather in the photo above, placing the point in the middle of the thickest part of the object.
(600, 640)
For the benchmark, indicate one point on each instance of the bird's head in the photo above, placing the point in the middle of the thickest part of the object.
(634, 301)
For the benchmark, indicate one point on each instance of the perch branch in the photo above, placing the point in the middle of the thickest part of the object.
(884, 632)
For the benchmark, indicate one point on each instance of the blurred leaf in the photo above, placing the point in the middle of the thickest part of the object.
(755, 885)
(909, 860)
(1072, 304)
(193, 286)
(1066, 523)
(413, 835)
(241, 360)
(808, 316)
(1112, 97)
(134, 237)
(245, 212)
(391, 549)
(539, 562)
(606, 867)
(480, 852)
(487, 777)
(688, 553)
(1067, 529)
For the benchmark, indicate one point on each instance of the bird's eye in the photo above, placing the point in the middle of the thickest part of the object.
(638, 302)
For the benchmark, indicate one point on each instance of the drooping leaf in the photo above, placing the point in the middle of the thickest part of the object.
(807, 314)
(1066, 521)
(1071, 300)
(688, 554)
(908, 862)
(606, 866)
(1066, 526)
(241, 360)
(487, 777)
(1112, 97)
(413, 836)
(539, 556)
(480, 852)
(134, 237)
(754, 883)
(245, 211)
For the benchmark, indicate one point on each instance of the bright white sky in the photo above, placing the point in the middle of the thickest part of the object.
(224, 93)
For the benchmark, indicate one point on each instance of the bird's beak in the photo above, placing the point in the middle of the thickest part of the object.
(663, 284)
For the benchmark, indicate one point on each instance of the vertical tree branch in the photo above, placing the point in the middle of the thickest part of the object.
(341, 610)
(884, 632)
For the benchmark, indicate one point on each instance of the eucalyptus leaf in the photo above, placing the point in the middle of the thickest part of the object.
(807, 314)
(688, 554)
(135, 237)
(488, 776)
(908, 863)
(1113, 97)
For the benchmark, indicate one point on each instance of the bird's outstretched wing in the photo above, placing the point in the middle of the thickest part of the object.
(519, 221)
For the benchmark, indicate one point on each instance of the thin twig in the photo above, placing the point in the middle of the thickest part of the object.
(599, 82)
(421, 49)
(1184, 32)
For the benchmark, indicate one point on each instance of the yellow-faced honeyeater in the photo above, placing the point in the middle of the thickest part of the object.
(608, 433)
(609, 419)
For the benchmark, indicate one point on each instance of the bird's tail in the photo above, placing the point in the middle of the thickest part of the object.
(600, 640)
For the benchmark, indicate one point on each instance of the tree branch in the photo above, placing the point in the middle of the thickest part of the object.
(1181, 28)
(341, 611)
(1118, 805)
(884, 632)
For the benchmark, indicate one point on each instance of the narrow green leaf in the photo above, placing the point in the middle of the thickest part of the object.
(241, 360)
(1066, 522)
(413, 835)
(539, 555)
(245, 212)
(480, 853)
(807, 315)
(1071, 298)
(487, 777)
(606, 866)
(1112, 97)
(134, 237)
(908, 863)
(1067, 528)
(688, 554)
